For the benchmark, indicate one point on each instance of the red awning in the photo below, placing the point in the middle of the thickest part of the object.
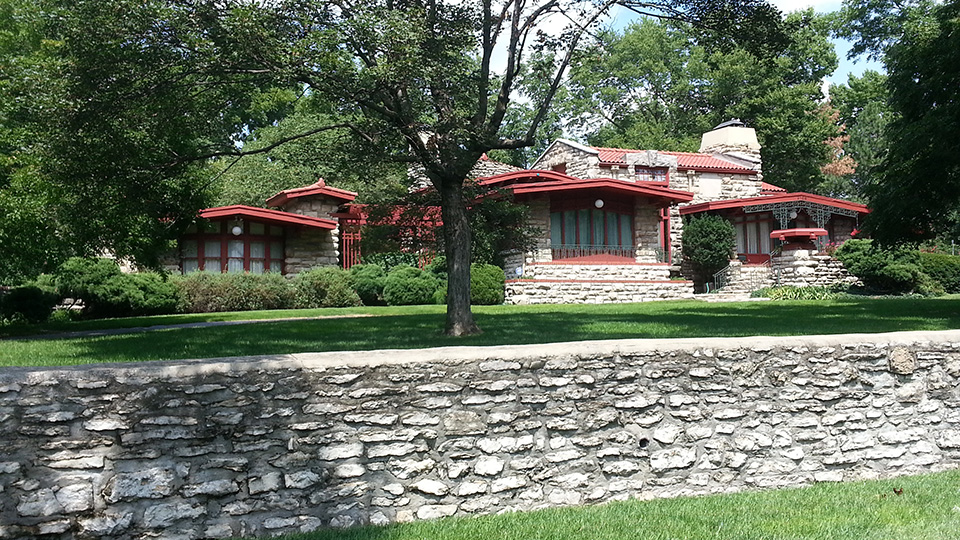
(275, 217)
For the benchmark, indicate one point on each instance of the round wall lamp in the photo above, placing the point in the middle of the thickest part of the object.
(793, 214)
(598, 203)
(237, 230)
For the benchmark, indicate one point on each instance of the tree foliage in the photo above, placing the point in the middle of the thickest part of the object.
(661, 85)
(919, 189)
(154, 88)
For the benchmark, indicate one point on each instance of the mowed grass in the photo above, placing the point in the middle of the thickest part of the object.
(421, 326)
(928, 509)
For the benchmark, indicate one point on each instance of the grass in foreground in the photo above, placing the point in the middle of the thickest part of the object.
(928, 509)
(420, 326)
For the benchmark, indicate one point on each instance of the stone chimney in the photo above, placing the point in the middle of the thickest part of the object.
(734, 141)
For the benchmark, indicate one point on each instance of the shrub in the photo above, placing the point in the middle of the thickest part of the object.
(943, 268)
(107, 292)
(29, 303)
(390, 260)
(790, 292)
(486, 284)
(203, 292)
(886, 270)
(438, 267)
(406, 286)
(326, 286)
(708, 243)
(368, 281)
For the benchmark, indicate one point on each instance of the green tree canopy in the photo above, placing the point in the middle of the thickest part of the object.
(661, 85)
(918, 192)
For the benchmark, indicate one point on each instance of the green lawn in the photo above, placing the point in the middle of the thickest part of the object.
(928, 509)
(420, 326)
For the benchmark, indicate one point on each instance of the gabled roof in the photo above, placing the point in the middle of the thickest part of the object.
(773, 199)
(770, 188)
(319, 188)
(685, 160)
(542, 181)
(275, 217)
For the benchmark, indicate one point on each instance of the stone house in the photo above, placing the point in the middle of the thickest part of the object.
(611, 222)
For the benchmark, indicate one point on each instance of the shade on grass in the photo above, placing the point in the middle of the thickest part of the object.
(420, 326)
(928, 509)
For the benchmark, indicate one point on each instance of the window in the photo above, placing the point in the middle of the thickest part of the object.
(589, 231)
(213, 247)
(651, 175)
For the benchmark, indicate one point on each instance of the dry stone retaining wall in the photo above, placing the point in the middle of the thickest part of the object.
(264, 446)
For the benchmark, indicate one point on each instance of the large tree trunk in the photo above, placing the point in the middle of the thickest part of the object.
(457, 246)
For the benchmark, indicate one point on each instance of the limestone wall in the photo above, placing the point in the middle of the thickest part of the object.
(805, 268)
(545, 291)
(263, 446)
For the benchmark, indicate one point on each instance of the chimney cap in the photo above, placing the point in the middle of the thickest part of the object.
(733, 122)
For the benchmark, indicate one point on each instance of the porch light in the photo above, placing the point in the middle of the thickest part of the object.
(598, 203)
(793, 214)
(237, 229)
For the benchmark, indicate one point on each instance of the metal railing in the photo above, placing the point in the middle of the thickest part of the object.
(720, 280)
(572, 251)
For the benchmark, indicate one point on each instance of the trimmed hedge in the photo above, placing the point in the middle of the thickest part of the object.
(943, 268)
(368, 281)
(327, 286)
(107, 292)
(203, 292)
(486, 284)
(408, 286)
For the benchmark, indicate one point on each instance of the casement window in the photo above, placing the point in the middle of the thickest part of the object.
(591, 227)
(651, 175)
(232, 246)
(753, 234)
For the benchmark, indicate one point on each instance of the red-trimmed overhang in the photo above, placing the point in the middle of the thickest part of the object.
(319, 188)
(275, 217)
(525, 176)
(609, 184)
(771, 199)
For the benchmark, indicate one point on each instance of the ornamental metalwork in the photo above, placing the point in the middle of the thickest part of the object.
(820, 213)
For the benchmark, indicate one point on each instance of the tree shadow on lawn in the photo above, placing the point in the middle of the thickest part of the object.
(504, 325)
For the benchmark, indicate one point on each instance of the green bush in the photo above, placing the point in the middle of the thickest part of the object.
(486, 284)
(326, 286)
(708, 243)
(368, 281)
(203, 292)
(390, 260)
(28, 303)
(407, 286)
(943, 268)
(886, 270)
(107, 292)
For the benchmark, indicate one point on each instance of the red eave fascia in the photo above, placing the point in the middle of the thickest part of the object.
(770, 199)
(605, 183)
(320, 188)
(275, 217)
(537, 175)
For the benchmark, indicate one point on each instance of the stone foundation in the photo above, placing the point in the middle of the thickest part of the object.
(806, 268)
(594, 292)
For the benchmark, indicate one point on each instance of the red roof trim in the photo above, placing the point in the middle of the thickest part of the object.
(319, 188)
(779, 198)
(534, 175)
(607, 183)
(770, 188)
(264, 214)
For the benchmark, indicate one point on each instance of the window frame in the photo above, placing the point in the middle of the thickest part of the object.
(220, 233)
